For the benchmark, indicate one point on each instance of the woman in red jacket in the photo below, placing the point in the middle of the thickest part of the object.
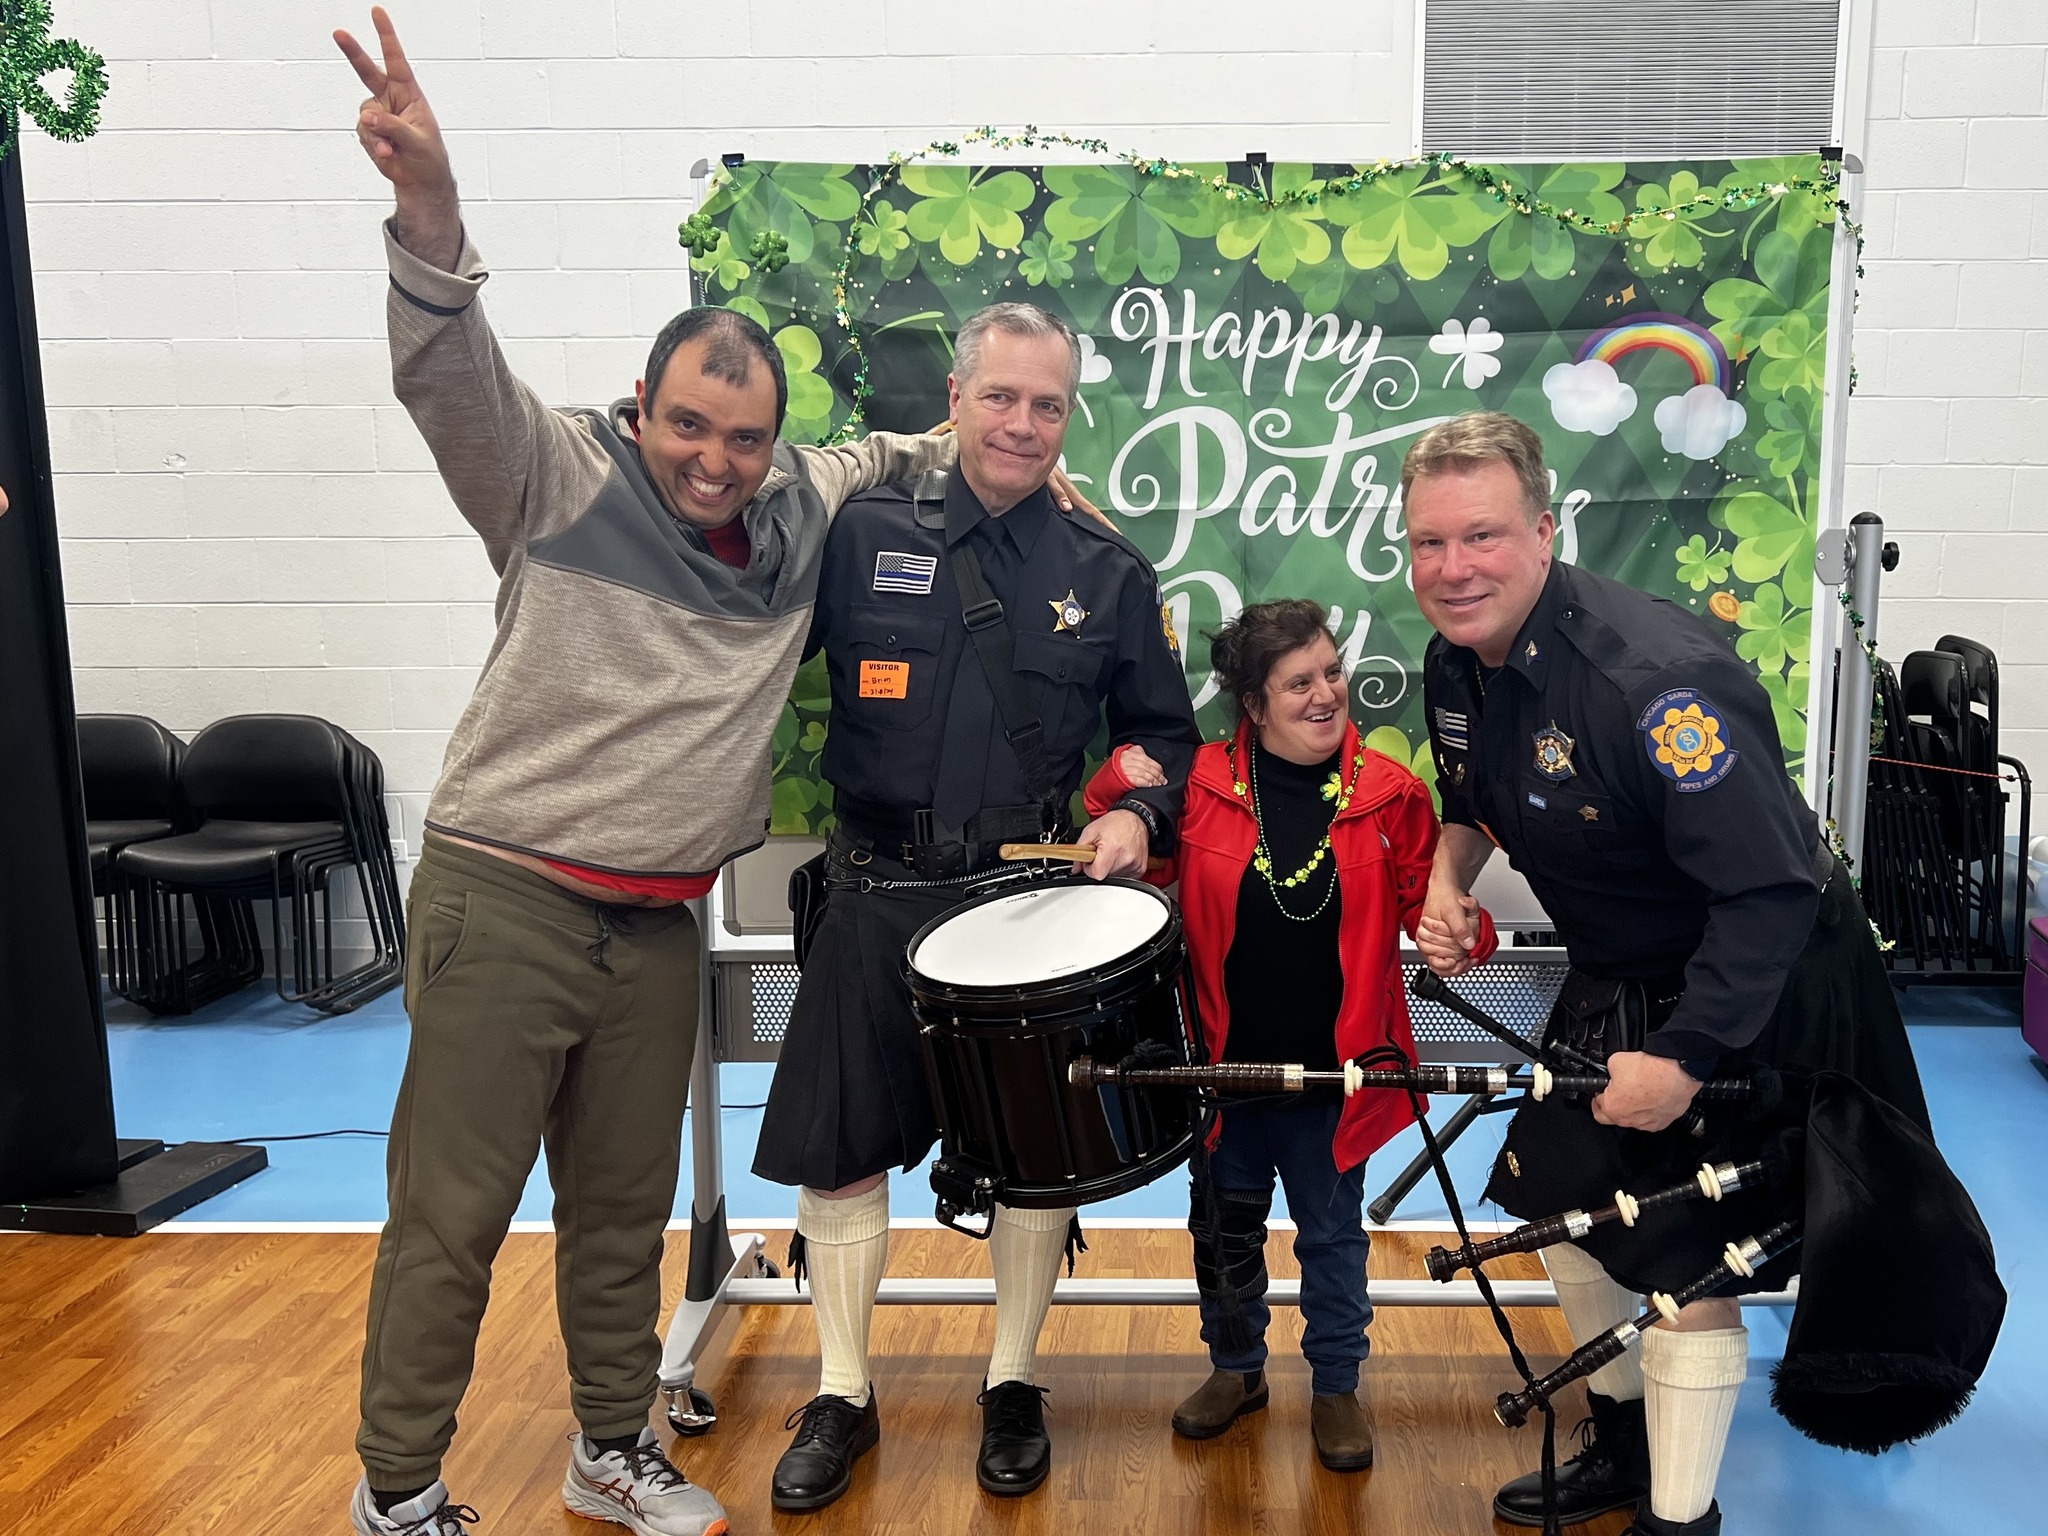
(1301, 855)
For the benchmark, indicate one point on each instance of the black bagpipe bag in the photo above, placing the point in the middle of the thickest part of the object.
(1899, 1300)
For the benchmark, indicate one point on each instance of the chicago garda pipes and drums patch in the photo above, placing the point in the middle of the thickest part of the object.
(1687, 739)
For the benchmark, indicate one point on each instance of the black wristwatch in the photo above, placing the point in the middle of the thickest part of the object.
(1144, 813)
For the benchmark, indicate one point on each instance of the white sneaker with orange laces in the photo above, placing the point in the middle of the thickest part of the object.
(640, 1489)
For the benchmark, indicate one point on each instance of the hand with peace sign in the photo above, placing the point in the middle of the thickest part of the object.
(398, 132)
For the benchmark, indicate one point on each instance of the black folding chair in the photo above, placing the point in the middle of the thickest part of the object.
(129, 765)
(286, 804)
(1980, 752)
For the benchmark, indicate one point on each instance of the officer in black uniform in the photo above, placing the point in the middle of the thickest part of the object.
(1629, 763)
(931, 770)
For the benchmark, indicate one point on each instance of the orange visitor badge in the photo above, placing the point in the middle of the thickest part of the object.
(885, 679)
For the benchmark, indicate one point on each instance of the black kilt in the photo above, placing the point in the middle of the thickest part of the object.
(850, 1097)
(1837, 1012)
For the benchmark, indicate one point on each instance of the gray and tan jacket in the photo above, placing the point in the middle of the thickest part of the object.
(623, 718)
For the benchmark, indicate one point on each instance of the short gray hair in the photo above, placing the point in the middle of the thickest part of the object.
(1478, 438)
(1017, 320)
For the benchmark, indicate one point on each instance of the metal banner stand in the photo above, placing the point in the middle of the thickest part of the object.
(1857, 557)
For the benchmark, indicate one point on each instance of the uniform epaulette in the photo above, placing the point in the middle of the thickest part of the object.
(1633, 658)
(1086, 524)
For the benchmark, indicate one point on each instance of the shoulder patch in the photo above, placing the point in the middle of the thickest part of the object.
(1687, 739)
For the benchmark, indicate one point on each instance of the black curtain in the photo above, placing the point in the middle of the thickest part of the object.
(56, 1099)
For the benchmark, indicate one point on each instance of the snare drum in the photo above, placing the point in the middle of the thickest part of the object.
(1010, 988)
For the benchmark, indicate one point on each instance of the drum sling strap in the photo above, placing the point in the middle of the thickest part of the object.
(982, 612)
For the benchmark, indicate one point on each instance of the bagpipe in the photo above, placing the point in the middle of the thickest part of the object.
(1899, 1301)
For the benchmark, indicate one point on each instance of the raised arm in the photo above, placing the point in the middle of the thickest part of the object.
(397, 129)
(511, 464)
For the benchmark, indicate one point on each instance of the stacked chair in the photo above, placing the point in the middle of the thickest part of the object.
(1937, 877)
(277, 806)
(129, 764)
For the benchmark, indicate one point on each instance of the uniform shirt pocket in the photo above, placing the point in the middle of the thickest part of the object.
(1562, 818)
(892, 662)
(1068, 671)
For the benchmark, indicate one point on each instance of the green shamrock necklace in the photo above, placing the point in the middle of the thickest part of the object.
(1262, 855)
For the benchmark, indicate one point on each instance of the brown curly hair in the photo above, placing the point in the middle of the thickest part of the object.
(1243, 652)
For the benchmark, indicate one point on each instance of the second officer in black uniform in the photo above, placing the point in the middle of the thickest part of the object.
(929, 593)
(1629, 763)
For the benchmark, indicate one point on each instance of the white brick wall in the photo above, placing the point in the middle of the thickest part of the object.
(1948, 430)
(250, 523)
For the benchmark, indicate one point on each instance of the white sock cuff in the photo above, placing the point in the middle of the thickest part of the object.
(1035, 1221)
(856, 1219)
(1716, 1357)
(1571, 1264)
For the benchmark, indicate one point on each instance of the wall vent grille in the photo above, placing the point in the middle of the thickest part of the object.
(1628, 79)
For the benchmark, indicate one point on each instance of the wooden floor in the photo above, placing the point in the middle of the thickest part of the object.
(196, 1383)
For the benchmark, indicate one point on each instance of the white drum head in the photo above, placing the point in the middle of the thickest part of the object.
(1039, 935)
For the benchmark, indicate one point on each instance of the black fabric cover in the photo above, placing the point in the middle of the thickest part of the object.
(1899, 1301)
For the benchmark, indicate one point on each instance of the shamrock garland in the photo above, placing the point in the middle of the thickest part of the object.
(27, 53)
(1254, 200)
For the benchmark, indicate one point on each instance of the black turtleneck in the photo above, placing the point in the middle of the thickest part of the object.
(1285, 979)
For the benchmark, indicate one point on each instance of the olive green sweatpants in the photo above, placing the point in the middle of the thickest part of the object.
(538, 1018)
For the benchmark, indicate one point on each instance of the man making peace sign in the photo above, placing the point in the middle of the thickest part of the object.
(658, 563)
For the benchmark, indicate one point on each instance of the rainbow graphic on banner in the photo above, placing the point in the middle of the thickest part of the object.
(1700, 348)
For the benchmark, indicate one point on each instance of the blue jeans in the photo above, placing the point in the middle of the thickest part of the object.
(1292, 1140)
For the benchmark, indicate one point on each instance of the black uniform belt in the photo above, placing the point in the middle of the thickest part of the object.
(936, 852)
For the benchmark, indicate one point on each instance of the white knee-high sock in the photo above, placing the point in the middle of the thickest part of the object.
(1026, 1248)
(1694, 1380)
(846, 1248)
(1593, 1304)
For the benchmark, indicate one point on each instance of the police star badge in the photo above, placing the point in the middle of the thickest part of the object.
(1554, 754)
(1068, 613)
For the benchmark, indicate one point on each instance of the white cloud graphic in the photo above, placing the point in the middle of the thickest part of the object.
(1588, 396)
(1700, 422)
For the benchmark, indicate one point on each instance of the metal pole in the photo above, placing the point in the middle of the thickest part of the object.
(969, 1292)
(1854, 685)
(710, 1248)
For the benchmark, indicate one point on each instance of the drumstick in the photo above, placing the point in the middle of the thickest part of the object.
(1072, 853)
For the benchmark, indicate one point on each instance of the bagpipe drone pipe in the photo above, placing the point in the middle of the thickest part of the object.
(1899, 1299)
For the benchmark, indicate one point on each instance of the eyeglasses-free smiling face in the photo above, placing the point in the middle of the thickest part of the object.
(1299, 713)
(1012, 415)
(1479, 562)
(707, 443)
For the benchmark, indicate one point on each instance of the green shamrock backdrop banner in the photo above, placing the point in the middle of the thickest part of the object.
(1260, 344)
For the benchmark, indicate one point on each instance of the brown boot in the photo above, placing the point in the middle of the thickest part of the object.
(1219, 1402)
(1343, 1438)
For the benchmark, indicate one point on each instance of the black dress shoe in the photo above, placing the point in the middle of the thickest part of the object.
(831, 1435)
(1016, 1452)
(1612, 1472)
(1647, 1524)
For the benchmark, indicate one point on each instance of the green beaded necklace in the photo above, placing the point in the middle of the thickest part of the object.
(1262, 856)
